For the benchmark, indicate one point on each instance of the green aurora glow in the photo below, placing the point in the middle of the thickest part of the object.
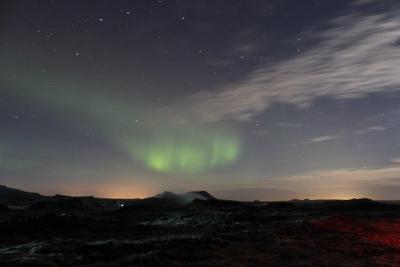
(187, 151)
(162, 145)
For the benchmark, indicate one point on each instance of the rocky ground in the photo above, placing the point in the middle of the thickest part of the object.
(205, 234)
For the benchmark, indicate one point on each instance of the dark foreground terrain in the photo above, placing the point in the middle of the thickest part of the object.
(164, 231)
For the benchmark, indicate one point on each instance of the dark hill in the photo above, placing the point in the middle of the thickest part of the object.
(168, 199)
(184, 198)
(58, 203)
(16, 196)
(362, 204)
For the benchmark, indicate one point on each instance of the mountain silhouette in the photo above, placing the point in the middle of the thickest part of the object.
(11, 195)
(168, 199)
(184, 198)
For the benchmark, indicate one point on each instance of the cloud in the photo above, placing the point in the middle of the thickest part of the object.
(358, 54)
(376, 128)
(370, 129)
(354, 174)
(341, 183)
(245, 49)
(388, 118)
(395, 160)
(261, 133)
(242, 50)
(288, 124)
(318, 139)
(323, 138)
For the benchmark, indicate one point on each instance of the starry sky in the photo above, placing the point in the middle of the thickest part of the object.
(266, 100)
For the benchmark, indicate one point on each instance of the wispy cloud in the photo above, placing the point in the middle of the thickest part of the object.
(376, 128)
(323, 138)
(261, 133)
(244, 48)
(358, 54)
(370, 129)
(288, 124)
(318, 139)
(395, 160)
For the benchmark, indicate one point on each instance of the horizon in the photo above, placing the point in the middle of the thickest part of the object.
(244, 99)
(191, 191)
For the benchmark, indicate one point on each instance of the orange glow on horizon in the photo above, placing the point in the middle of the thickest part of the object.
(101, 189)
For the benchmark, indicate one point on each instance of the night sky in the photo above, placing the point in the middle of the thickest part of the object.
(249, 100)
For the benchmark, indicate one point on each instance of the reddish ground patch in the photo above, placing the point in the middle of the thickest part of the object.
(382, 232)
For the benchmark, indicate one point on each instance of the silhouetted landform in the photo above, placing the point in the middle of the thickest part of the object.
(197, 229)
(19, 199)
(186, 197)
(11, 195)
(171, 200)
(58, 202)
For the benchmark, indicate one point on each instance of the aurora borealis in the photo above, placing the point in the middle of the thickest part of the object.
(166, 146)
(187, 153)
(245, 99)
